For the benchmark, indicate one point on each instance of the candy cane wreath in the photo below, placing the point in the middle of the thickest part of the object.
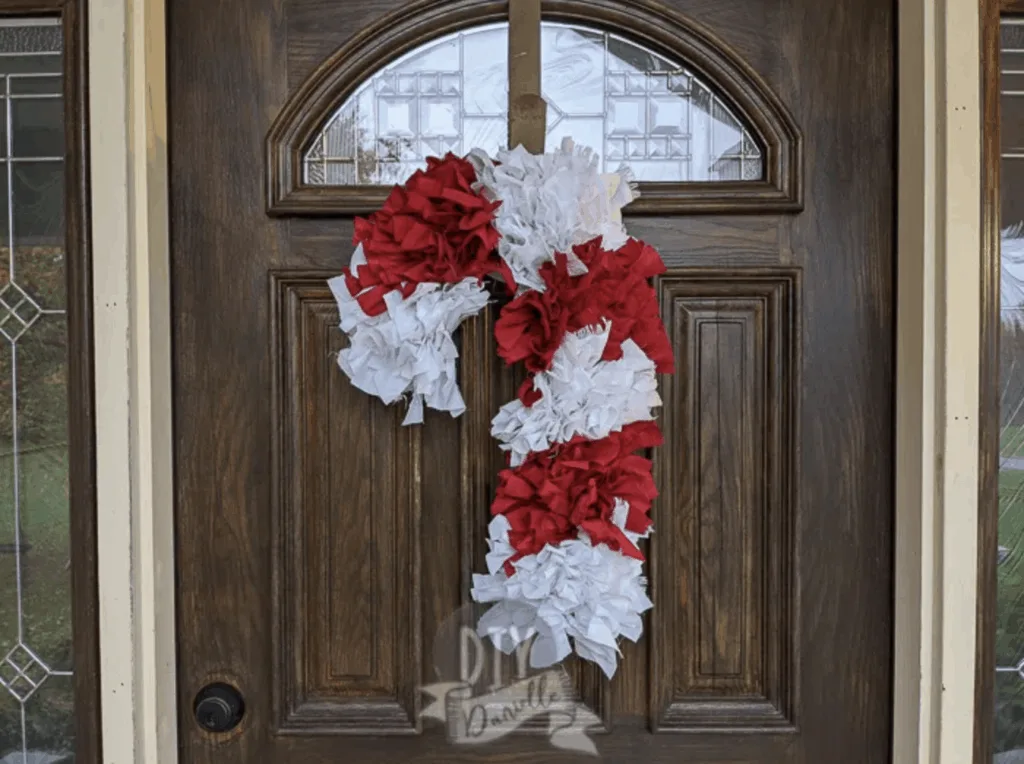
(564, 565)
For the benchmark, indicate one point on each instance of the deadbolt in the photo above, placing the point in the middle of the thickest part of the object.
(219, 708)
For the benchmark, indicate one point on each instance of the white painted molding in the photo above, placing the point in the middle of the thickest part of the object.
(960, 264)
(938, 356)
(108, 137)
(128, 105)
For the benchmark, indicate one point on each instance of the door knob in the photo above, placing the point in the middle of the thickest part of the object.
(219, 707)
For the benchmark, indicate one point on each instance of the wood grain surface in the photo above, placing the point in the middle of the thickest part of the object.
(321, 548)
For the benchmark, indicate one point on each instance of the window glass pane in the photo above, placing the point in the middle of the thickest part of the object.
(37, 85)
(36, 697)
(35, 125)
(620, 99)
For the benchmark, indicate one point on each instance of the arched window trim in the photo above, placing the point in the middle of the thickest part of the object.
(643, 21)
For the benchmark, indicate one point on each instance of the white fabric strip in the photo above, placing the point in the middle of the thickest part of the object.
(409, 347)
(576, 591)
(581, 395)
(549, 202)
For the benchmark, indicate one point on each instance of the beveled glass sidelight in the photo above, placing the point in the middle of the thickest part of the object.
(36, 695)
(628, 103)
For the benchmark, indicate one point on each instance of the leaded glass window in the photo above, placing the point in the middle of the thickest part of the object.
(628, 103)
(36, 695)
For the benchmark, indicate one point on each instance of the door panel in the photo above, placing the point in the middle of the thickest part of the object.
(345, 554)
(722, 645)
(323, 549)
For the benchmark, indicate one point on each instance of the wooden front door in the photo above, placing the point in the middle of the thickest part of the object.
(325, 552)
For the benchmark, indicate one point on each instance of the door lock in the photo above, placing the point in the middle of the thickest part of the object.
(219, 707)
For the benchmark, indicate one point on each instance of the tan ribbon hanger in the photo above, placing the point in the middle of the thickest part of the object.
(527, 123)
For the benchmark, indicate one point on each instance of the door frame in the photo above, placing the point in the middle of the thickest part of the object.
(937, 396)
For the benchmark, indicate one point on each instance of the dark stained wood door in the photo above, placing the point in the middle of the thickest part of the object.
(322, 548)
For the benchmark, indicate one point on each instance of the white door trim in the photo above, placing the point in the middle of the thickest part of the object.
(938, 361)
(131, 305)
(938, 345)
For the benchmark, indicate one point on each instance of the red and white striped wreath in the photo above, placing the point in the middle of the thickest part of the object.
(564, 566)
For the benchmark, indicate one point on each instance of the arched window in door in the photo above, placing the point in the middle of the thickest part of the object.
(700, 129)
(626, 102)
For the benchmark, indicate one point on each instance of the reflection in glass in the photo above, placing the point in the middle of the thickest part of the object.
(36, 697)
(627, 103)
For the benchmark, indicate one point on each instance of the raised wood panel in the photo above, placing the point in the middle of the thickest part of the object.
(346, 542)
(722, 556)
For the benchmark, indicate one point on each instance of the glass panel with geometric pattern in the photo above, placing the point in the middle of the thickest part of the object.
(36, 697)
(626, 102)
